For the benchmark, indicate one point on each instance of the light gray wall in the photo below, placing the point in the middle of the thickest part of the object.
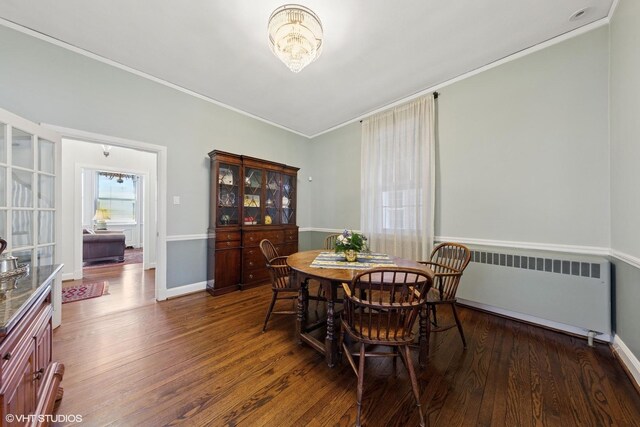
(335, 167)
(625, 128)
(46, 83)
(523, 152)
(625, 173)
(49, 84)
(189, 269)
(626, 297)
(313, 240)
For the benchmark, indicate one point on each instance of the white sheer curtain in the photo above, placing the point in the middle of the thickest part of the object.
(397, 164)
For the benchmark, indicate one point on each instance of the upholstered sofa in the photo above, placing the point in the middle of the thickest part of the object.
(102, 246)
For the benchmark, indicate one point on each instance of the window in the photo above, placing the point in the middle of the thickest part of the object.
(117, 194)
(401, 209)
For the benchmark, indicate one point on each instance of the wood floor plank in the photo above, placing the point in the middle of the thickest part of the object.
(466, 379)
(547, 401)
(202, 360)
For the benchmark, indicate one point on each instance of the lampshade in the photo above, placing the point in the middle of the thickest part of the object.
(101, 215)
(295, 36)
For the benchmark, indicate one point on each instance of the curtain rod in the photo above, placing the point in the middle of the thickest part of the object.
(435, 96)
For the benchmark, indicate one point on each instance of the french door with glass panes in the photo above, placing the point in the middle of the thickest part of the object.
(30, 191)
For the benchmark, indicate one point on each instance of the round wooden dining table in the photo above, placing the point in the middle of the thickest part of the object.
(331, 279)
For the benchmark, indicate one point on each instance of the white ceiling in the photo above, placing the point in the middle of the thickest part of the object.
(375, 52)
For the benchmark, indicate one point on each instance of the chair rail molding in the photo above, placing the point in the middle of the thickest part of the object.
(185, 237)
(553, 247)
(326, 230)
(629, 259)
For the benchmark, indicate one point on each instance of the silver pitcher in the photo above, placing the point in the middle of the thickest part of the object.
(7, 263)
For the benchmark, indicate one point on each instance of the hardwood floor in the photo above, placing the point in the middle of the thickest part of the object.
(201, 360)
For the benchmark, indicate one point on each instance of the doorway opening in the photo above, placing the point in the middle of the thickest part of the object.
(114, 222)
(88, 154)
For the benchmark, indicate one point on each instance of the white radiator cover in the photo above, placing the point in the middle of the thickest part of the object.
(562, 291)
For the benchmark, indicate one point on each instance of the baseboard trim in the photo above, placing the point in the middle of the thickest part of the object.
(628, 359)
(549, 324)
(68, 276)
(185, 289)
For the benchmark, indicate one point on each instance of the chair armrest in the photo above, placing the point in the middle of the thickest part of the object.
(346, 289)
(451, 271)
(279, 267)
(279, 260)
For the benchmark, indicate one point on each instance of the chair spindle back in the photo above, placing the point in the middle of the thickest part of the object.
(381, 305)
(330, 242)
(448, 258)
(277, 265)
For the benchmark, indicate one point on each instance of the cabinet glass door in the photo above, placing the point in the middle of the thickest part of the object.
(288, 203)
(252, 196)
(274, 198)
(228, 195)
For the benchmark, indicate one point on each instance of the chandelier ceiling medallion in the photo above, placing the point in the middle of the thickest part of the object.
(295, 35)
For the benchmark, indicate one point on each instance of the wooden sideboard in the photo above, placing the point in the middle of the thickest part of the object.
(29, 380)
(250, 200)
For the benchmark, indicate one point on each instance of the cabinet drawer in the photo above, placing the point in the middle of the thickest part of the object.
(253, 238)
(253, 261)
(290, 238)
(229, 244)
(255, 276)
(250, 252)
(291, 232)
(227, 236)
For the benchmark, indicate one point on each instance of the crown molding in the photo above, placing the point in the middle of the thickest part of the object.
(57, 42)
(535, 48)
(528, 51)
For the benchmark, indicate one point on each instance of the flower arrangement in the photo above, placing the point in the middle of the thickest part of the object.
(349, 240)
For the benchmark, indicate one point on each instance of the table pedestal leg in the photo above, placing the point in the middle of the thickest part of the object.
(425, 329)
(303, 303)
(331, 342)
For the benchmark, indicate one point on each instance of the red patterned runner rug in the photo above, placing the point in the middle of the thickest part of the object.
(84, 291)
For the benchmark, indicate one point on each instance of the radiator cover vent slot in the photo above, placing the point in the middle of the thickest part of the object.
(548, 265)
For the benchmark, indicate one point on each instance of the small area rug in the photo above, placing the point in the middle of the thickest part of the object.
(84, 291)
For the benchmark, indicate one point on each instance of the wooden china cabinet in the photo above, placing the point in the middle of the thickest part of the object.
(250, 200)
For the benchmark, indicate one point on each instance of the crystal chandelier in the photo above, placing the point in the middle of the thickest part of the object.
(295, 36)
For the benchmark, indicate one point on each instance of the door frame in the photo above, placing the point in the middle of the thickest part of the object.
(161, 184)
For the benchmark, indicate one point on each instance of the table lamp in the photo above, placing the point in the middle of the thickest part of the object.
(100, 219)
